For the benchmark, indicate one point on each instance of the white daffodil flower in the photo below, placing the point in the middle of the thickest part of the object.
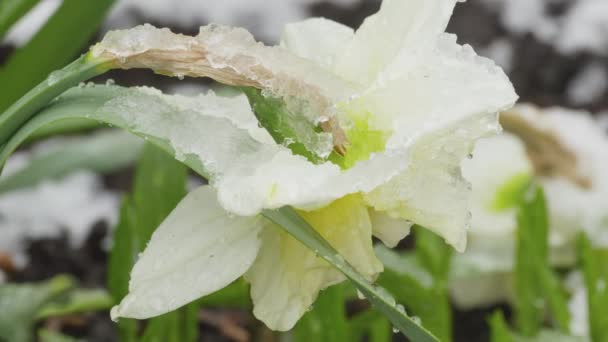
(567, 153)
(398, 104)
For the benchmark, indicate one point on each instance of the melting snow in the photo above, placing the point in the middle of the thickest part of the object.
(588, 85)
(583, 26)
(72, 204)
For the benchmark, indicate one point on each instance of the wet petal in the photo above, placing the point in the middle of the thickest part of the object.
(388, 229)
(400, 27)
(439, 110)
(197, 250)
(317, 39)
(287, 277)
(249, 170)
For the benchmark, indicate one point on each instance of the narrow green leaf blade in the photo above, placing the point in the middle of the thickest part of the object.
(101, 152)
(594, 263)
(56, 44)
(536, 286)
(499, 329)
(327, 320)
(20, 304)
(160, 183)
(77, 301)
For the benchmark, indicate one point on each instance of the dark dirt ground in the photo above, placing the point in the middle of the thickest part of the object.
(540, 75)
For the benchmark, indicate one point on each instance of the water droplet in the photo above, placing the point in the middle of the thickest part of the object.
(395, 330)
(110, 82)
(417, 320)
(55, 77)
(360, 295)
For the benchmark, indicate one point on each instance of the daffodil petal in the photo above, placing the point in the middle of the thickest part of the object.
(317, 39)
(388, 229)
(249, 170)
(287, 276)
(401, 26)
(439, 110)
(197, 250)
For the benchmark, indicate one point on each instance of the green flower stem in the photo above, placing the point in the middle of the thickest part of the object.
(56, 83)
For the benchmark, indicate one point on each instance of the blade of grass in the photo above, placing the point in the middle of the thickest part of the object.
(536, 286)
(499, 329)
(327, 320)
(103, 151)
(77, 301)
(57, 43)
(594, 263)
(23, 109)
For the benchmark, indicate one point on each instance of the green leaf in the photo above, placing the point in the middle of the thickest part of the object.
(434, 254)
(11, 11)
(536, 286)
(512, 192)
(57, 43)
(159, 185)
(289, 219)
(235, 295)
(77, 301)
(410, 278)
(380, 331)
(327, 320)
(69, 126)
(594, 264)
(45, 335)
(285, 126)
(101, 152)
(20, 304)
(56, 83)
(499, 329)
(122, 258)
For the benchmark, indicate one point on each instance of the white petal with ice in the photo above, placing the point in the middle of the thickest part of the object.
(249, 172)
(317, 39)
(388, 229)
(197, 250)
(399, 26)
(287, 276)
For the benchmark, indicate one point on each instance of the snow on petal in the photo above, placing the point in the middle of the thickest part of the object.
(401, 26)
(197, 250)
(250, 172)
(230, 56)
(287, 276)
(317, 39)
(439, 109)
